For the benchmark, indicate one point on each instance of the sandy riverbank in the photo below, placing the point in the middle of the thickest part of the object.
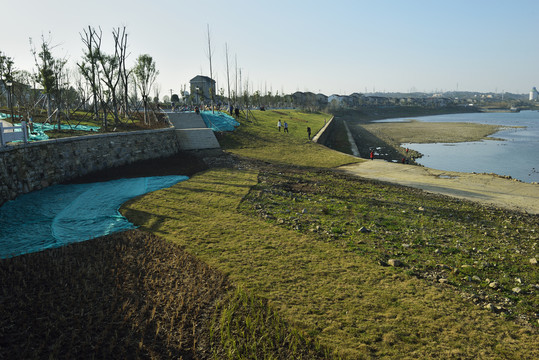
(486, 189)
(385, 138)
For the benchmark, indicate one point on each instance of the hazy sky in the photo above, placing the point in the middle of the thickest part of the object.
(330, 47)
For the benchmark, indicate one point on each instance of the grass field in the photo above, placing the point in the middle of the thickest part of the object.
(292, 236)
(271, 254)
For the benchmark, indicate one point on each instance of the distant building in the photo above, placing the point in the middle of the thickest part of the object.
(534, 94)
(202, 87)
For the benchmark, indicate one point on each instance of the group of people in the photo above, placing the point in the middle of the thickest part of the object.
(285, 126)
(404, 160)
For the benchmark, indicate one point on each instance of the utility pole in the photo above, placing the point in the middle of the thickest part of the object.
(211, 73)
(227, 73)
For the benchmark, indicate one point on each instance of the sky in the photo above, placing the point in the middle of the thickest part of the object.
(329, 47)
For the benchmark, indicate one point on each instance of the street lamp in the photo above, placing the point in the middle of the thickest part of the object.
(9, 85)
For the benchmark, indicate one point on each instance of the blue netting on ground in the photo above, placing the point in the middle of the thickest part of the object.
(7, 116)
(219, 121)
(38, 132)
(63, 214)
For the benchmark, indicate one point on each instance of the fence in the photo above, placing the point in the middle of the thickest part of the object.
(13, 133)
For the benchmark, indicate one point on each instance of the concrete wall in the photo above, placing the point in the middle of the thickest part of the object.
(321, 136)
(33, 166)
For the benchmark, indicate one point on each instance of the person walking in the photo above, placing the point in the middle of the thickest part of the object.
(279, 125)
(285, 127)
(309, 132)
(372, 155)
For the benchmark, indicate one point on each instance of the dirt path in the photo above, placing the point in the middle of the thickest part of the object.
(482, 188)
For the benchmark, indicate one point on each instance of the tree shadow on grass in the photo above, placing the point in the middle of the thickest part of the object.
(127, 295)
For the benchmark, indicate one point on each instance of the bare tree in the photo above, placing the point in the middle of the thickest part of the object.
(120, 40)
(89, 67)
(7, 73)
(146, 73)
(111, 70)
(49, 75)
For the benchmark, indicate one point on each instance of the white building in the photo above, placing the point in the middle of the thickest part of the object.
(534, 94)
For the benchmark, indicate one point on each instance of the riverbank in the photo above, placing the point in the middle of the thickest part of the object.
(486, 189)
(385, 138)
(365, 268)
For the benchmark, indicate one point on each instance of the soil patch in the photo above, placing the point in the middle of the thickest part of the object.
(127, 295)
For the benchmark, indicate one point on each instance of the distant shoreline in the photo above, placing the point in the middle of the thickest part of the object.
(385, 138)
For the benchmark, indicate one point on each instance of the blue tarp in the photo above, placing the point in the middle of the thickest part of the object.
(7, 116)
(63, 214)
(38, 132)
(219, 121)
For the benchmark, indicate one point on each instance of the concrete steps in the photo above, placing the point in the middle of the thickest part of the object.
(192, 132)
(196, 139)
(186, 121)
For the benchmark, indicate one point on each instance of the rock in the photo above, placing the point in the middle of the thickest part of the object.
(490, 307)
(443, 281)
(533, 261)
(421, 208)
(493, 285)
(516, 290)
(363, 229)
(395, 263)
(476, 278)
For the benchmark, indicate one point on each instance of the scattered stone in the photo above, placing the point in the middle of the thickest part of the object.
(444, 266)
(518, 280)
(493, 308)
(476, 278)
(493, 285)
(421, 208)
(533, 261)
(363, 229)
(516, 290)
(395, 263)
(443, 281)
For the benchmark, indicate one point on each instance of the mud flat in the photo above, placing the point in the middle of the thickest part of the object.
(487, 189)
(414, 131)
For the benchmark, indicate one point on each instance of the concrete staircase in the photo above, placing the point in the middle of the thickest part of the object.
(192, 132)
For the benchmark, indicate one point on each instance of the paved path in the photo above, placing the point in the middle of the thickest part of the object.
(5, 123)
(482, 188)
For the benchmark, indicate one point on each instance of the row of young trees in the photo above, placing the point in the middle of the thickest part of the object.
(101, 84)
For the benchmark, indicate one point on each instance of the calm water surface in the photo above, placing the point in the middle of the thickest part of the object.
(517, 154)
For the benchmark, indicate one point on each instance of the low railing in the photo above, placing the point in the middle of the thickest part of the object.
(13, 133)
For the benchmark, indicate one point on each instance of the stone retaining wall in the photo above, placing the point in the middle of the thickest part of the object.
(33, 166)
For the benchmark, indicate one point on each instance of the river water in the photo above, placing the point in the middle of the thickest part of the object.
(516, 154)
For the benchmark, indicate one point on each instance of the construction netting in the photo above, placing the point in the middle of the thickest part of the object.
(38, 129)
(219, 121)
(63, 214)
